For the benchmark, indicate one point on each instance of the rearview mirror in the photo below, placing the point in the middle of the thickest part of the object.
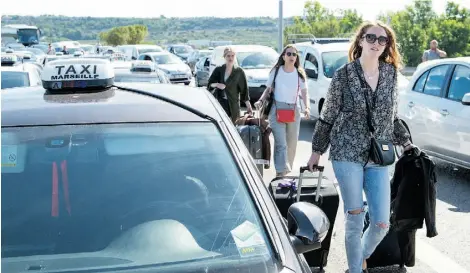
(308, 226)
(466, 99)
(311, 73)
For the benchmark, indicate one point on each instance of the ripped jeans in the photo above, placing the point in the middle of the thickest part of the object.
(353, 178)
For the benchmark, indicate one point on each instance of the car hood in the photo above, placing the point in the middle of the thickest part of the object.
(174, 67)
(257, 74)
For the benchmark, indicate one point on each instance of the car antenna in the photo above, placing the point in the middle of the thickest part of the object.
(155, 96)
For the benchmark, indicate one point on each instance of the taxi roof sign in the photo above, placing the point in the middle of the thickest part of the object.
(80, 73)
(9, 59)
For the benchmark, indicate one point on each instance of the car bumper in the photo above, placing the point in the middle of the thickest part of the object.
(179, 79)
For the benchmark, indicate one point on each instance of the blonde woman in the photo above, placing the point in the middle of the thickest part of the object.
(229, 85)
(290, 83)
(368, 81)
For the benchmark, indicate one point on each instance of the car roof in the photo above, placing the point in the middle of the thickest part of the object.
(127, 72)
(245, 48)
(20, 67)
(327, 47)
(157, 53)
(428, 64)
(111, 106)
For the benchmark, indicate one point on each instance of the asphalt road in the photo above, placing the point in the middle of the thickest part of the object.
(449, 252)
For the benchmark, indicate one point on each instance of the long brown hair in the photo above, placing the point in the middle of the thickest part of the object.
(391, 53)
(281, 61)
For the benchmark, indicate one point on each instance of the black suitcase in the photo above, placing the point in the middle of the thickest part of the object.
(326, 198)
(388, 252)
(251, 135)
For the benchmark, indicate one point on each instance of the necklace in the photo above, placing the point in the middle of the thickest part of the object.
(370, 77)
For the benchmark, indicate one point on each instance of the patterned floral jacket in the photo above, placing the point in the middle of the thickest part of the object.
(343, 119)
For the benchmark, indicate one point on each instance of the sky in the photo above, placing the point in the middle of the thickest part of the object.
(197, 8)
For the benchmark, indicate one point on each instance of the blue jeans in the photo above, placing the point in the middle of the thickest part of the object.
(353, 178)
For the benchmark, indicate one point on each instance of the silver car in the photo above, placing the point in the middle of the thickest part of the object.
(174, 67)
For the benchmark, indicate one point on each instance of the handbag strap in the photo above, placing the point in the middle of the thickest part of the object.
(298, 85)
(366, 98)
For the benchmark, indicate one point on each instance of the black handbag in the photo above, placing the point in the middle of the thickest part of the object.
(268, 102)
(381, 152)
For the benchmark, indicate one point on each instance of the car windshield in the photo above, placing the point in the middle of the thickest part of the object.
(28, 36)
(182, 49)
(332, 61)
(137, 78)
(163, 195)
(12, 79)
(257, 60)
(149, 49)
(167, 59)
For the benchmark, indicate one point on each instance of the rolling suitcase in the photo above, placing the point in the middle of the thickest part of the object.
(252, 137)
(323, 194)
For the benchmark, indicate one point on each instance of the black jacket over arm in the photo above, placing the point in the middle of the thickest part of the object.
(414, 193)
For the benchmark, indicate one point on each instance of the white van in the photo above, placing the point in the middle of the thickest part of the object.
(256, 60)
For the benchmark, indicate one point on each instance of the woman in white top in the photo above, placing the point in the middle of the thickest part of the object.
(289, 84)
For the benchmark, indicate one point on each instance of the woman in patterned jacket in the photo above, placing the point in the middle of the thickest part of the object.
(374, 62)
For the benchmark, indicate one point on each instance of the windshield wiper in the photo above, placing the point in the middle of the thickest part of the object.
(165, 99)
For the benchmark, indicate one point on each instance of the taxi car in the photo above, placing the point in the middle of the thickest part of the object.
(15, 73)
(99, 176)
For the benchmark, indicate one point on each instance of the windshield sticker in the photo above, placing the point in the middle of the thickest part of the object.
(9, 155)
(248, 239)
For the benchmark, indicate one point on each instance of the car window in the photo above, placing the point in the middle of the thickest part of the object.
(332, 61)
(460, 83)
(12, 79)
(435, 80)
(149, 49)
(167, 59)
(419, 85)
(311, 62)
(128, 195)
(257, 60)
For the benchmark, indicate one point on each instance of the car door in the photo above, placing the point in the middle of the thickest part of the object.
(455, 144)
(420, 107)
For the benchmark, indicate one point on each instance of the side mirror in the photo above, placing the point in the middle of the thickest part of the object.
(134, 58)
(466, 99)
(311, 73)
(308, 226)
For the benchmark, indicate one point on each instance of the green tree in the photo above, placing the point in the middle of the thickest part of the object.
(137, 34)
(321, 22)
(117, 36)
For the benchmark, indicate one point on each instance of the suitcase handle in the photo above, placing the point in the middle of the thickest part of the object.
(315, 167)
(254, 116)
(320, 177)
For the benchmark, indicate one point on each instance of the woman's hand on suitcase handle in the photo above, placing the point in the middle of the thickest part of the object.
(313, 161)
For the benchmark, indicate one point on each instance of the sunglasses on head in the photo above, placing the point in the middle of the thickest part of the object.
(291, 54)
(371, 38)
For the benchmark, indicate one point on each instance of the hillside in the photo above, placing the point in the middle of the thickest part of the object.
(259, 30)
